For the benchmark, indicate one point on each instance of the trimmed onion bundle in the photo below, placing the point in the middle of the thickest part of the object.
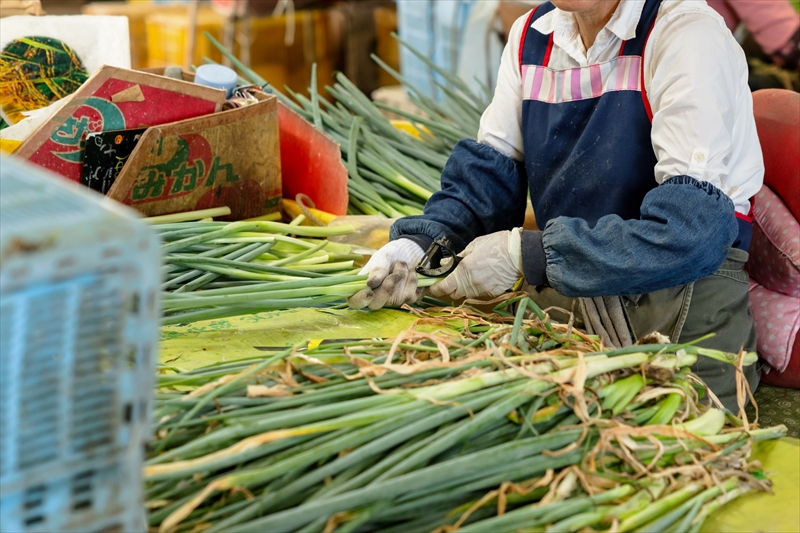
(219, 269)
(512, 423)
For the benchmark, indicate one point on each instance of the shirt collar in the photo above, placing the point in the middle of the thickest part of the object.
(622, 23)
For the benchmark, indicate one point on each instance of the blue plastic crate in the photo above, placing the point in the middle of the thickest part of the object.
(434, 27)
(79, 316)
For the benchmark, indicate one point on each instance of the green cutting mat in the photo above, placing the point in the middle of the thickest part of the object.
(204, 343)
(762, 512)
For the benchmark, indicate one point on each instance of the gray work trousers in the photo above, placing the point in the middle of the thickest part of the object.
(718, 303)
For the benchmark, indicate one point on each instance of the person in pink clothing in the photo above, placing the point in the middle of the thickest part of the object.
(774, 25)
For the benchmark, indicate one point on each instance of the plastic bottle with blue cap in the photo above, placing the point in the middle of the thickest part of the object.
(218, 76)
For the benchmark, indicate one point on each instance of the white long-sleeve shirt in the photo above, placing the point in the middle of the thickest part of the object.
(695, 75)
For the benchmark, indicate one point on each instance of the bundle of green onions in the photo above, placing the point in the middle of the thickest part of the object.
(391, 172)
(509, 423)
(218, 269)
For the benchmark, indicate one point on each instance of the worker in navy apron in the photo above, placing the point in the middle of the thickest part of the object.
(630, 124)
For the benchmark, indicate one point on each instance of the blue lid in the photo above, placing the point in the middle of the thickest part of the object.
(217, 76)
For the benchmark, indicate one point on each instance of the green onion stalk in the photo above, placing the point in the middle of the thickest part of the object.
(391, 173)
(504, 422)
(217, 270)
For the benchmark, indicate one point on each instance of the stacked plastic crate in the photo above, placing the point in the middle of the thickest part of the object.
(436, 29)
(79, 314)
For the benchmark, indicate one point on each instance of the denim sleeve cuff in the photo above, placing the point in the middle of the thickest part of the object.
(423, 241)
(684, 232)
(534, 260)
(704, 186)
(422, 226)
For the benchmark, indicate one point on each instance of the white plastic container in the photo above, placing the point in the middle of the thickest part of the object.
(79, 315)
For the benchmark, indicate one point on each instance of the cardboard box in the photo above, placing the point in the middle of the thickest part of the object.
(387, 48)
(358, 42)
(9, 8)
(231, 158)
(510, 10)
(282, 49)
(114, 99)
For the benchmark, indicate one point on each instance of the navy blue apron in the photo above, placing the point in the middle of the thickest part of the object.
(588, 151)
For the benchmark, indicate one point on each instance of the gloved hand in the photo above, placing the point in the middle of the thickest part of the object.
(491, 265)
(392, 276)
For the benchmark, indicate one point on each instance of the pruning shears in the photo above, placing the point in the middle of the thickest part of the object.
(448, 260)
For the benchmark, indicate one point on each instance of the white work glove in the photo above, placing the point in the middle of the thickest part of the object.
(392, 276)
(491, 265)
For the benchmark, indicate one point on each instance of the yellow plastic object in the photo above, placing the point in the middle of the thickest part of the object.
(386, 47)
(371, 232)
(760, 511)
(530, 218)
(411, 129)
(276, 54)
(293, 210)
(204, 343)
(314, 343)
(9, 147)
(167, 36)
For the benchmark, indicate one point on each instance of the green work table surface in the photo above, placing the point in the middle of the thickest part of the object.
(209, 342)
